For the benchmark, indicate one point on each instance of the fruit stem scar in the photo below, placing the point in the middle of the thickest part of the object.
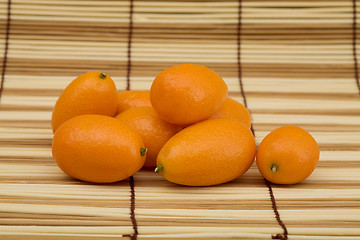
(143, 151)
(103, 75)
(274, 168)
(159, 168)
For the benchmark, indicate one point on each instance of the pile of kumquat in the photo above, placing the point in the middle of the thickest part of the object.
(186, 128)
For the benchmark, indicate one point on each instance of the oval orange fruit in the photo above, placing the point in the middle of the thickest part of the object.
(98, 149)
(232, 109)
(187, 93)
(287, 155)
(132, 98)
(90, 93)
(207, 153)
(154, 131)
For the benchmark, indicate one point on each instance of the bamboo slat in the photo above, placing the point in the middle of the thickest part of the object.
(298, 66)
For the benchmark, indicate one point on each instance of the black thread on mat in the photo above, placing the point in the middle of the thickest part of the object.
(131, 179)
(239, 27)
(354, 27)
(128, 73)
(132, 209)
(7, 33)
(283, 236)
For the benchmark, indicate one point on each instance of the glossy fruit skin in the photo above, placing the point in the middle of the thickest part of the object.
(89, 93)
(187, 93)
(232, 109)
(154, 131)
(132, 98)
(208, 153)
(292, 151)
(96, 148)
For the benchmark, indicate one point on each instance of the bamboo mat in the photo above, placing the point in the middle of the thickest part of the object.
(289, 61)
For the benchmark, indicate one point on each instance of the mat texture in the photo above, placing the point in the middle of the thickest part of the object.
(290, 62)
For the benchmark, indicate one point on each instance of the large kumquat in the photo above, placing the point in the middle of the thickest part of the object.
(207, 153)
(97, 148)
(287, 155)
(90, 93)
(187, 93)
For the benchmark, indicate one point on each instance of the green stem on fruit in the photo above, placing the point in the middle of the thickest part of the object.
(143, 151)
(159, 168)
(103, 75)
(274, 168)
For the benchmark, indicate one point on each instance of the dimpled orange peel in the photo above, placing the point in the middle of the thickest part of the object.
(187, 93)
(287, 155)
(207, 153)
(99, 149)
(90, 93)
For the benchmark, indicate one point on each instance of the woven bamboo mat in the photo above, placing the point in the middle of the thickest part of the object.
(289, 61)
